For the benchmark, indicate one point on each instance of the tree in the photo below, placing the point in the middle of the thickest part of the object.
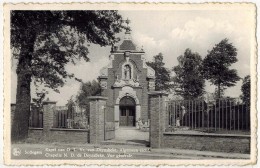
(70, 104)
(245, 88)
(43, 42)
(40, 96)
(188, 81)
(216, 66)
(88, 89)
(162, 74)
(219, 93)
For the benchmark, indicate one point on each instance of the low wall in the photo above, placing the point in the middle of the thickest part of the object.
(60, 135)
(207, 142)
(35, 133)
(69, 135)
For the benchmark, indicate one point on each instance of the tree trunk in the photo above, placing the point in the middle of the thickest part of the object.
(219, 91)
(20, 123)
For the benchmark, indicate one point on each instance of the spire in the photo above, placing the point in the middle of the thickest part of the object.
(127, 43)
(128, 30)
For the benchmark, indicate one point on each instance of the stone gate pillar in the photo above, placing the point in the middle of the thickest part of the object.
(157, 110)
(97, 119)
(48, 115)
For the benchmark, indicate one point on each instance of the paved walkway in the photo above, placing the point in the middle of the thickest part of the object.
(131, 135)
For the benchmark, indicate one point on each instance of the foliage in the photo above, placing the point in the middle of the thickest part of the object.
(88, 89)
(216, 65)
(188, 81)
(59, 37)
(245, 88)
(40, 96)
(44, 42)
(162, 74)
(219, 93)
(70, 102)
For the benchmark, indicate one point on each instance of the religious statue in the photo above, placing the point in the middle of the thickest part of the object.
(127, 72)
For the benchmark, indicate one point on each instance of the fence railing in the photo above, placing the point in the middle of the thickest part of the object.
(61, 117)
(71, 117)
(36, 117)
(228, 115)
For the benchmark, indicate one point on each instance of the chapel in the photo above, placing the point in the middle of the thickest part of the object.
(126, 81)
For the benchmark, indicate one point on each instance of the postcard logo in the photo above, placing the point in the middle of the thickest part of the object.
(16, 151)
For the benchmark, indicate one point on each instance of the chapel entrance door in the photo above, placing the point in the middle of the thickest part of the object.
(127, 116)
(127, 111)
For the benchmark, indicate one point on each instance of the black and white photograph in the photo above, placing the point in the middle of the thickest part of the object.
(130, 83)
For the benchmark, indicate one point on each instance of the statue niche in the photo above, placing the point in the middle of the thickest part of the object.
(127, 77)
(127, 72)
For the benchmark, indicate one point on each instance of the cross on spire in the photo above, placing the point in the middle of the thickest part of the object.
(127, 21)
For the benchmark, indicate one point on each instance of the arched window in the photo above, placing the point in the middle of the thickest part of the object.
(127, 72)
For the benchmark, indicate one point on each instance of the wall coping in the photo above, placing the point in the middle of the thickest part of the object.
(34, 128)
(97, 98)
(208, 134)
(153, 93)
(67, 129)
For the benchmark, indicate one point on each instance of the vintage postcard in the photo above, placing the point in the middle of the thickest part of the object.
(130, 84)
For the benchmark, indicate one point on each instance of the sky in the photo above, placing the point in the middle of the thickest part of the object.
(169, 33)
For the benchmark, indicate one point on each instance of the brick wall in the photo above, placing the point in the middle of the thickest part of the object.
(48, 115)
(204, 142)
(112, 93)
(96, 118)
(154, 127)
(214, 142)
(157, 112)
(35, 133)
(69, 135)
(50, 134)
(60, 135)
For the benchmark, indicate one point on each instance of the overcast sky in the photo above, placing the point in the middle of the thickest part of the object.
(169, 32)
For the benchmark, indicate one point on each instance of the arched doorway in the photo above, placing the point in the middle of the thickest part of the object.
(127, 107)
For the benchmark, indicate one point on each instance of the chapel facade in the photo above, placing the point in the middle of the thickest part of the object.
(126, 81)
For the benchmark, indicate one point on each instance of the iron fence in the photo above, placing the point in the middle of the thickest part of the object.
(71, 117)
(228, 115)
(36, 117)
(61, 117)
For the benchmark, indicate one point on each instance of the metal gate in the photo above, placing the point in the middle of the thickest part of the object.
(109, 126)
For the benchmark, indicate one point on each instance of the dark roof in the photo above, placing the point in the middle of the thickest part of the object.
(127, 45)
